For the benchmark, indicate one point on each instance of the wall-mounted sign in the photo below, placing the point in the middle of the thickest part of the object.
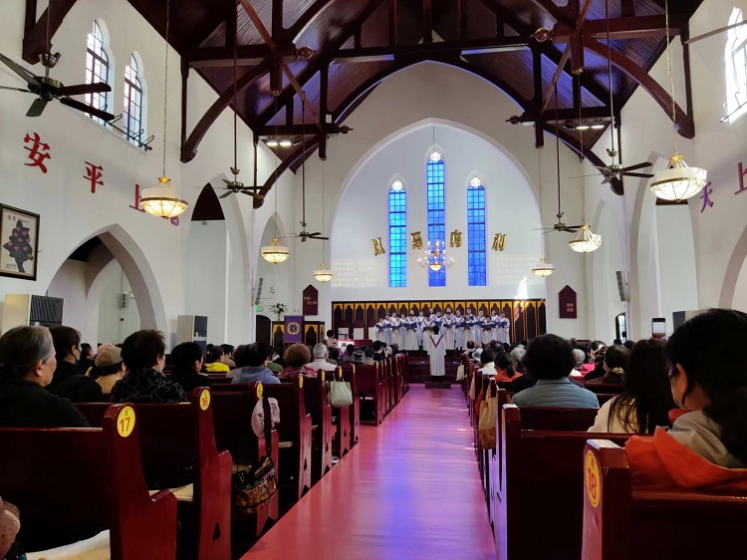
(568, 306)
(310, 301)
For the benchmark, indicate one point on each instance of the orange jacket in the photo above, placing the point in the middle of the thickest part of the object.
(662, 463)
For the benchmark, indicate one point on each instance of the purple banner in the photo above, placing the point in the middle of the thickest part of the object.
(293, 329)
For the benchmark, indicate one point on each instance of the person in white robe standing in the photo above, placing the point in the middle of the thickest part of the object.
(421, 320)
(381, 330)
(458, 330)
(396, 332)
(494, 319)
(411, 333)
(469, 324)
(428, 327)
(503, 329)
(388, 330)
(448, 323)
(436, 353)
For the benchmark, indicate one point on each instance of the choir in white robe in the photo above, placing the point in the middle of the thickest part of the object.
(411, 334)
(427, 332)
(403, 330)
(380, 331)
(388, 332)
(503, 330)
(469, 323)
(447, 328)
(486, 328)
(494, 319)
(436, 353)
(421, 320)
(396, 333)
(459, 332)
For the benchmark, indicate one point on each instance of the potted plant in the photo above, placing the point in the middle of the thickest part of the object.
(278, 309)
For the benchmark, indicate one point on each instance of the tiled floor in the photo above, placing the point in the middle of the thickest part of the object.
(410, 490)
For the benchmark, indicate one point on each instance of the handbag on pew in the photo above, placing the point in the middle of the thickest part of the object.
(460, 373)
(473, 389)
(486, 426)
(255, 486)
(339, 394)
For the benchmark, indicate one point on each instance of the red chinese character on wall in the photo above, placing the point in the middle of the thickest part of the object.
(37, 151)
(136, 206)
(94, 175)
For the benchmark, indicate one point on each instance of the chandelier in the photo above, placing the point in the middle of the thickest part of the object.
(543, 268)
(275, 253)
(323, 274)
(678, 181)
(586, 241)
(435, 257)
(162, 200)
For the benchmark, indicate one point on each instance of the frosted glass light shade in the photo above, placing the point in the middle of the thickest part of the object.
(679, 181)
(586, 241)
(543, 268)
(275, 253)
(323, 274)
(162, 200)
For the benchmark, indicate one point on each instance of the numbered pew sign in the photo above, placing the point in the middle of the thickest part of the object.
(204, 400)
(300, 380)
(324, 376)
(260, 390)
(126, 421)
(593, 480)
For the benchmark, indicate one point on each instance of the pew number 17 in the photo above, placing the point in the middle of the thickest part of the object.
(126, 421)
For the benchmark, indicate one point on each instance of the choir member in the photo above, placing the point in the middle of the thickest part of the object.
(421, 320)
(503, 329)
(469, 324)
(411, 333)
(381, 330)
(428, 326)
(436, 352)
(494, 319)
(459, 330)
(448, 323)
(396, 333)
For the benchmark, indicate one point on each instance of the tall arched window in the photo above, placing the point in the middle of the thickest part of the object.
(397, 235)
(133, 102)
(97, 68)
(476, 264)
(736, 68)
(436, 211)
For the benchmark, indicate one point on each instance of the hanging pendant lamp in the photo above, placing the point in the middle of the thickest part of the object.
(586, 241)
(163, 200)
(275, 253)
(544, 268)
(323, 274)
(678, 181)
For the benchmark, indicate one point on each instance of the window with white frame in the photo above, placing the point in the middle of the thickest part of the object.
(133, 102)
(97, 68)
(736, 68)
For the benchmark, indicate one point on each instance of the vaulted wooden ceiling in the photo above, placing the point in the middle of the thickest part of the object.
(524, 47)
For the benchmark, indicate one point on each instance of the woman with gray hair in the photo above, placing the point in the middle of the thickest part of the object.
(27, 365)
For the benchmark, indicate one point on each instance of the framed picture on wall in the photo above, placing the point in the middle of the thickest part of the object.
(19, 239)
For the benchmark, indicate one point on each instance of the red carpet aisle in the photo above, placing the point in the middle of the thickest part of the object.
(410, 490)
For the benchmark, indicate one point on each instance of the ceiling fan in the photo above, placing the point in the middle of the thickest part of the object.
(303, 234)
(560, 226)
(48, 89)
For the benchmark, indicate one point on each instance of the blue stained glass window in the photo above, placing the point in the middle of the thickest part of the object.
(397, 238)
(436, 213)
(476, 265)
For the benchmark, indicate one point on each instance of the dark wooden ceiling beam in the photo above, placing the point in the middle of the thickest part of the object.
(539, 129)
(221, 57)
(682, 122)
(623, 28)
(560, 14)
(292, 159)
(392, 20)
(427, 22)
(296, 130)
(427, 49)
(586, 114)
(35, 36)
(294, 32)
(189, 148)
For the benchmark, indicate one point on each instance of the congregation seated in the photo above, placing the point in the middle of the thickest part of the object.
(144, 355)
(272, 361)
(614, 364)
(108, 368)
(549, 360)
(646, 400)
(87, 357)
(518, 354)
(321, 353)
(706, 448)
(214, 361)
(470, 349)
(505, 368)
(349, 352)
(187, 361)
(331, 339)
(333, 356)
(228, 355)
(251, 362)
(595, 368)
(69, 380)
(27, 366)
(487, 362)
(379, 351)
(296, 358)
(369, 355)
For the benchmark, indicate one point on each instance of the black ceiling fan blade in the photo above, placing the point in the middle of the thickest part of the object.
(225, 194)
(16, 89)
(37, 107)
(637, 166)
(642, 175)
(312, 236)
(73, 104)
(82, 89)
(24, 74)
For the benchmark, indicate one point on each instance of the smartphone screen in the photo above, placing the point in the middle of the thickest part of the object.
(658, 328)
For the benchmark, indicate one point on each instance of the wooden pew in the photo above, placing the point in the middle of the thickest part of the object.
(604, 388)
(558, 419)
(539, 503)
(88, 477)
(315, 396)
(385, 370)
(295, 434)
(349, 375)
(493, 455)
(176, 438)
(342, 418)
(371, 388)
(232, 411)
(622, 522)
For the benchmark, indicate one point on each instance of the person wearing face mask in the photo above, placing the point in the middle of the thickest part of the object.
(706, 448)
(69, 381)
(27, 365)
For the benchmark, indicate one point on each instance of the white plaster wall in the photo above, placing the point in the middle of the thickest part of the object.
(409, 100)
(115, 323)
(70, 284)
